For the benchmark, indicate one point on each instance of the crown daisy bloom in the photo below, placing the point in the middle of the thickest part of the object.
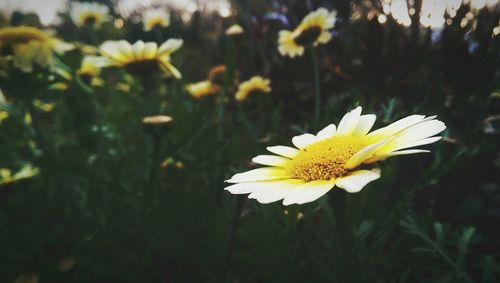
(312, 30)
(140, 58)
(27, 171)
(155, 18)
(27, 46)
(253, 85)
(88, 13)
(90, 69)
(201, 89)
(336, 156)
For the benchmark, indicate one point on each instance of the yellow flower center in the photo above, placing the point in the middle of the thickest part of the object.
(89, 19)
(324, 160)
(16, 35)
(156, 23)
(308, 36)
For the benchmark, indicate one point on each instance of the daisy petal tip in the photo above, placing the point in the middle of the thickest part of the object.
(357, 181)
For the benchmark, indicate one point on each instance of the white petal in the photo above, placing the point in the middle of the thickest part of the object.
(110, 49)
(285, 151)
(308, 192)
(125, 49)
(259, 174)
(354, 182)
(327, 132)
(349, 122)
(98, 61)
(271, 160)
(421, 131)
(394, 153)
(138, 49)
(150, 49)
(365, 124)
(168, 68)
(395, 127)
(304, 140)
(423, 142)
(413, 135)
(169, 46)
(275, 191)
(364, 154)
(241, 188)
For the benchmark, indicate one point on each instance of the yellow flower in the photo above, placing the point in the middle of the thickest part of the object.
(90, 66)
(2, 98)
(58, 86)
(3, 115)
(28, 46)
(335, 156)
(85, 13)
(254, 84)
(90, 69)
(140, 58)
(234, 30)
(203, 88)
(86, 49)
(312, 30)
(27, 118)
(27, 171)
(155, 18)
(217, 74)
(45, 107)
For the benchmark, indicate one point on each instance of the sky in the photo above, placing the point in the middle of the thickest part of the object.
(432, 10)
(47, 9)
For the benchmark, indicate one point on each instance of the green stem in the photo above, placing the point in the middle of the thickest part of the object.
(220, 113)
(150, 107)
(243, 117)
(345, 235)
(149, 104)
(317, 90)
(240, 200)
(36, 125)
(158, 34)
(153, 172)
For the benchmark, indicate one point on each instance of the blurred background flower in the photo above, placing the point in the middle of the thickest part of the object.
(88, 14)
(140, 58)
(28, 46)
(155, 18)
(252, 86)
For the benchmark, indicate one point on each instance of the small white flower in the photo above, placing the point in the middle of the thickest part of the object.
(86, 13)
(155, 18)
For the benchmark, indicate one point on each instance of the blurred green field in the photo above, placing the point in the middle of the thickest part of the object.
(90, 192)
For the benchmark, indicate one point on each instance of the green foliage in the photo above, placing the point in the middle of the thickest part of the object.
(114, 203)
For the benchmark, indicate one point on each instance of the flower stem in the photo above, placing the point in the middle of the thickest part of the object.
(220, 113)
(317, 90)
(36, 125)
(155, 160)
(240, 200)
(343, 225)
(158, 34)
